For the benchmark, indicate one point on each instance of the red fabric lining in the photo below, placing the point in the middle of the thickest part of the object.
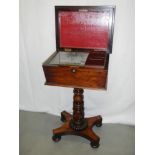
(96, 58)
(84, 29)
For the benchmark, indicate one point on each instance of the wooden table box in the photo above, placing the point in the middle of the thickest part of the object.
(87, 76)
(82, 29)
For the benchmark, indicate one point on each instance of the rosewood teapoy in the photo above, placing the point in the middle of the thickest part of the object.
(84, 37)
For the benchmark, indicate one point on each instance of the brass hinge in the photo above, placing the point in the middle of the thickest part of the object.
(67, 49)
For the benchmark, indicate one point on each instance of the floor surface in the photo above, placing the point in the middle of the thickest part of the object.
(35, 138)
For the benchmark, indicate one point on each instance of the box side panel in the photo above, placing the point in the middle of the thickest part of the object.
(75, 77)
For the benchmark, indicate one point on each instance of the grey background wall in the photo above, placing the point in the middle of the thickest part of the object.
(37, 42)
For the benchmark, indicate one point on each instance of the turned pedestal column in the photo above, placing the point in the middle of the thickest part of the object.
(77, 124)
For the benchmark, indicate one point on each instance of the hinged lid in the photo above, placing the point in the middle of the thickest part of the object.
(84, 27)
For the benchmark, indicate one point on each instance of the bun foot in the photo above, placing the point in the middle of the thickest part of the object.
(56, 138)
(94, 144)
(99, 124)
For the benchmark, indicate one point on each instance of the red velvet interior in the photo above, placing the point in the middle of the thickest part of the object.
(96, 58)
(84, 29)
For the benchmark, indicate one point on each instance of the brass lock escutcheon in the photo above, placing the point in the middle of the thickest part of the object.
(73, 70)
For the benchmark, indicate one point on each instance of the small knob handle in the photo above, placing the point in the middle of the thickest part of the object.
(73, 70)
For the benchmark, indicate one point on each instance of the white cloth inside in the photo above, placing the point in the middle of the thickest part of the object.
(69, 58)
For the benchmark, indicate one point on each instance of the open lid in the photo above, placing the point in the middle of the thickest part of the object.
(84, 27)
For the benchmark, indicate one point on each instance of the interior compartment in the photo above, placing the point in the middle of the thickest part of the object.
(92, 58)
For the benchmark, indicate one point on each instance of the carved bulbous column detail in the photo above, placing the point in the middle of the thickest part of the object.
(78, 122)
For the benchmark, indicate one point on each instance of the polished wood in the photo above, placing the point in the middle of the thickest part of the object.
(93, 75)
(76, 124)
(75, 76)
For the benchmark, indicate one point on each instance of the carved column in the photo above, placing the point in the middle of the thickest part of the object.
(78, 121)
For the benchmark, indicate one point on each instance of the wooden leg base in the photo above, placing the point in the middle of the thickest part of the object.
(87, 133)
